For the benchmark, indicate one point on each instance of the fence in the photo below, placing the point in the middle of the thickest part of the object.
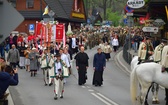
(126, 54)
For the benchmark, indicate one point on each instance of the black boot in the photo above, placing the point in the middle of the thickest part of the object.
(34, 74)
(55, 97)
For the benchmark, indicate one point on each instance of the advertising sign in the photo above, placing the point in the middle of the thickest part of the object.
(150, 29)
(135, 3)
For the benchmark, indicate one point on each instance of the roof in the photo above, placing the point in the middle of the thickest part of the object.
(63, 9)
(32, 14)
(57, 7)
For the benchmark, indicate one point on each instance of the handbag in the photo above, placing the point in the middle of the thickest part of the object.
(65, 72)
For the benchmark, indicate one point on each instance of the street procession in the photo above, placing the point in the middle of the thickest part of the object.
(84, 52)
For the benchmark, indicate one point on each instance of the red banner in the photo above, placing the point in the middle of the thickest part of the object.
(59, 32)
(38, 29)
(43, 35)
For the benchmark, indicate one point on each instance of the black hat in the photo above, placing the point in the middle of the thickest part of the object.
(148, 37)
(57, 55)
(164, 40)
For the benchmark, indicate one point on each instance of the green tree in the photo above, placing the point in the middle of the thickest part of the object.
(115, 17)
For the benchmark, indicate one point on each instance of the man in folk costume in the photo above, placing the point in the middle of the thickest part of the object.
(65, 59)
(145, 50)
(82, 66)
(46, 66)
(57, 73)
(157, 59)
(164, 63)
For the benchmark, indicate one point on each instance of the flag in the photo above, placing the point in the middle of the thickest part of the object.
(46, 10)
(166, 11)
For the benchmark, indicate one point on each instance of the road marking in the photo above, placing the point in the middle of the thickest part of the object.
(87, 86)
(104, 101)
(90, 90)
(107, 99)
(83, 87)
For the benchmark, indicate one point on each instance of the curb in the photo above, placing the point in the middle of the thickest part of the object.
(120, 64)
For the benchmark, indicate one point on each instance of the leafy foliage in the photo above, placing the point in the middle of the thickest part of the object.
(115, 17)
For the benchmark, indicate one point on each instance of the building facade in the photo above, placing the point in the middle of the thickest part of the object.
(66, 11)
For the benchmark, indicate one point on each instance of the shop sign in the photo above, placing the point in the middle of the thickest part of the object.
(135, 3)
(78, 15)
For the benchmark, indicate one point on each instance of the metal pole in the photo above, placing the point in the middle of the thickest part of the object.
(129, 36)
(41, 12)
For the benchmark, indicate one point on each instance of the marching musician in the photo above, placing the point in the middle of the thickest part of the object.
(46, 65)
(145, 50)
(57, 74)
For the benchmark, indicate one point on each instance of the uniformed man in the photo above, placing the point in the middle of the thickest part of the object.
(158, 51)
(157, 59)
(145, 50)
(164, 63)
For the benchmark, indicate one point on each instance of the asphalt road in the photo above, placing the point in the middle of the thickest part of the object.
(115, 89)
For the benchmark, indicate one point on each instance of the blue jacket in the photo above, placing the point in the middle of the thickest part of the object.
(99, 61)
(7, 80)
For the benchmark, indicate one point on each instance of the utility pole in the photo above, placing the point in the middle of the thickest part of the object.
(130, 24)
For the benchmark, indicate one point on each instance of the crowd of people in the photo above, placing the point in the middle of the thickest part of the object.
(54, 59)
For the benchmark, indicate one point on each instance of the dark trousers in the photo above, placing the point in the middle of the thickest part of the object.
(115, 48)
(13, 65)
(2, 51)
(166, 91)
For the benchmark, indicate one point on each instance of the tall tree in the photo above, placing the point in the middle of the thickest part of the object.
(104, 8)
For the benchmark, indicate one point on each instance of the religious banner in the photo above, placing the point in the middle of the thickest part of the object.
(49, 34)
(38, 29)
(59, 32)
(53, 37)
(43, 35)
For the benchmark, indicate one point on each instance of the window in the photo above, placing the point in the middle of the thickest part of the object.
(13, 3)
(29, 3)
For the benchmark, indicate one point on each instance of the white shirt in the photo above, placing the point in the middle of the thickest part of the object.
(65, 59)
(115, 42)
(57, 67)
(73, 42)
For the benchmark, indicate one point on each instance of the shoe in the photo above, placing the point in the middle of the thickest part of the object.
(55, 97)
(50, 84)
(45, 84)
(96, 85)
(31, 74)
(61, 97)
